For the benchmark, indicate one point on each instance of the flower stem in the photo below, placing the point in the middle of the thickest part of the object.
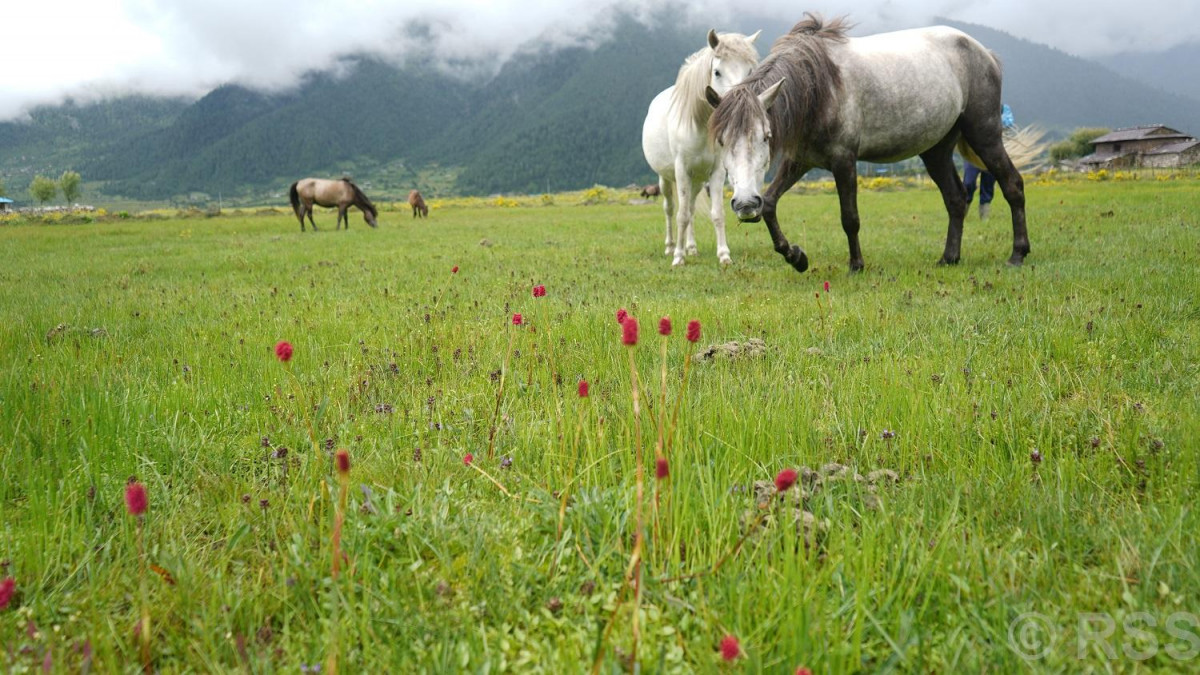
(499, 396)
(635, 560)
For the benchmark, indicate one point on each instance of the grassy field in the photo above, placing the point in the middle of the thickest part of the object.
(1042, 422)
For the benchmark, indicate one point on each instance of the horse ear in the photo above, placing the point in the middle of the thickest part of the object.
(768, 97)
(712, 38)
(711, 95)
(754, 37)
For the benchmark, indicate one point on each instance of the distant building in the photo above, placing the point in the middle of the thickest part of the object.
(4, 204)
(1154, 146)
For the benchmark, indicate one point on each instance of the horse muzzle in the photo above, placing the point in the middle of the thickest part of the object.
(747, 210)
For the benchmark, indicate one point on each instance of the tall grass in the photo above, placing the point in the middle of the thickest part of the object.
(145, 349)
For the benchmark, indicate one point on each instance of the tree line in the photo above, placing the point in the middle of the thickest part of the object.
(44, 189)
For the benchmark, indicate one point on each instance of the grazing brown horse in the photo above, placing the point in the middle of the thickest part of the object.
(340, 193)
(418, 204)
(651, 191)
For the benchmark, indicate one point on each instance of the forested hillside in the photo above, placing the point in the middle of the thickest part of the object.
(551, 119)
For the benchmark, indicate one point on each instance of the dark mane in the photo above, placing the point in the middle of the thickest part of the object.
(360, 199)
(811, 85)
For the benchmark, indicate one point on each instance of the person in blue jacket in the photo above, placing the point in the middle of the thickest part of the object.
(987, 182)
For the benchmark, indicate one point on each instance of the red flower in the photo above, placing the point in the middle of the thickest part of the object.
(661, 469)
(283, 351)
(135, 498)
(454, 270)
(826, 286)
(583, 389)
(8, 588)
(786, 479)
(629, 330)
(801, 670)
(539, 291)
(468, 459)
(342, 458)
(621, 314)
(730, 649)
(664, 326)
(518, 319)
(693, 330)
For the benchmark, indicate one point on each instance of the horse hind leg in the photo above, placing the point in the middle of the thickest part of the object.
(308, 210)
(939, 163)
(716, 195)
(668, 190)
(990, 148)
(685, 195)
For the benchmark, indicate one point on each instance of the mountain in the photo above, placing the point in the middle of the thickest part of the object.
(550, 119)
(1174, 70)
(1061, 92)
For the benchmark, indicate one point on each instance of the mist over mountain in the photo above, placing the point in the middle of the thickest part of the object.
(552, 118)
(1176, 70)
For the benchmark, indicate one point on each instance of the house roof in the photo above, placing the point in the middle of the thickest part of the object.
(5, 201)
(1153, 131)
(1173, 148)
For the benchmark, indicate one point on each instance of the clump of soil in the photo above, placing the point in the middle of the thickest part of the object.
(750, 349)
(771, 506)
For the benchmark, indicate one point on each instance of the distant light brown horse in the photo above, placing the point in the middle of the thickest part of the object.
(340, 193)
(418, 204)
(651, 191)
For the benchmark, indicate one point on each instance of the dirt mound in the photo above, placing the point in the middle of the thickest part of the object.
(771, 506)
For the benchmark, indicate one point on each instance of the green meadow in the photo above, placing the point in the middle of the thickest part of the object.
(1041, 423)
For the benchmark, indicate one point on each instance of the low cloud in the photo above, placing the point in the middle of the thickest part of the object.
(92, 48)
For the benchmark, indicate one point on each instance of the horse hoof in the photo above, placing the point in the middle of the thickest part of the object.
(726, 260)
(670, 250)
(677, 262)
(947, 261)
(1016, 261)
(856, 266)
(797, 259)
(692, 250)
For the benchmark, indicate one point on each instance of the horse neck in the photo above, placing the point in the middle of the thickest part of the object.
(687, 101)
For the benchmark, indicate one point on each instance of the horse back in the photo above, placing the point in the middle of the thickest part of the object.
(906, 90)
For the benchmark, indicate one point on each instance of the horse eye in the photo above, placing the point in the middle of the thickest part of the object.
(717, 73)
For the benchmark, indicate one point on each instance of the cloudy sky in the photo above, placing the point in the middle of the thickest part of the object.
(93, 48)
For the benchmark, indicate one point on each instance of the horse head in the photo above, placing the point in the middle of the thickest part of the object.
(734, 56)
(742, 129)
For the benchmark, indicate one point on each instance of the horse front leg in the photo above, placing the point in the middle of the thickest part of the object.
(716, 195)
(845, 176)
(789, 172)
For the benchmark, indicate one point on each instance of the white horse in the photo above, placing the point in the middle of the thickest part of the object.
(676, 143)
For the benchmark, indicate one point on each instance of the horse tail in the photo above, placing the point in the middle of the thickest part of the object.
(1024, 147)
(361, 201)
(968, 153)
(294, 194)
